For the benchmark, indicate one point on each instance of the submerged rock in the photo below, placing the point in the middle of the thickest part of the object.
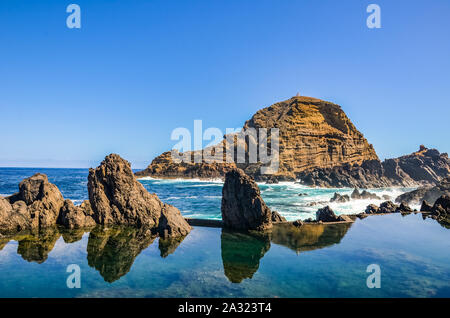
(242, 205)
(116, 197)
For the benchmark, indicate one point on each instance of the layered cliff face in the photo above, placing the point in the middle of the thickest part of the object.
(313, 134)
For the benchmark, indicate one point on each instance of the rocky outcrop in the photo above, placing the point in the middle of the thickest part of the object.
(424, 167)
(72, 216)
(242, 205)
(117, 198)
(326, 214)
(277, 217)
(425, 207)
(318, 146)
(364, 195)
(35, 206)
(430, 194)
(441, 207)
(313, 133)
(340, 198)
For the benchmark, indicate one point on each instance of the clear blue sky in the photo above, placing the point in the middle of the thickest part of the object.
(138, 69)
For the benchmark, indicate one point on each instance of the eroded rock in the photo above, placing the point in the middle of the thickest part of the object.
(242, 205)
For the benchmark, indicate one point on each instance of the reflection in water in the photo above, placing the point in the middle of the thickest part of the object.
(309, 236)
(242, 252)
(112, 251)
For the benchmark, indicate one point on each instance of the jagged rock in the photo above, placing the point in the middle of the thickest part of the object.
(441, 207)
(424, 167)
(242, 205)
(76, 216)
(272, 181)
(326, 214)
(340, 198)
(371, 209)
(387, 207)
(426, 207)
(404, 208)
(35, 206)
(277, 217)
(364, 195)
(116, 197)
(297, 223)
(430, 194)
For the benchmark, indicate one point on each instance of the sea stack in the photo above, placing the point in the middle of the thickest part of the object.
(117, 198)
(242, 205)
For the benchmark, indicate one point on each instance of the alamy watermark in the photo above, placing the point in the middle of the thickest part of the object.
(250, 146)
(374, 19)
(73, 21)
(74, 279)
(374, 279)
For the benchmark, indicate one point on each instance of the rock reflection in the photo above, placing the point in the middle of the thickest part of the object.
(309, 236)
(242, 252)
(112, 251)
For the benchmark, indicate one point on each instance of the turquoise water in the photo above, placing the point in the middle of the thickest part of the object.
(199, 199)
(313, 261)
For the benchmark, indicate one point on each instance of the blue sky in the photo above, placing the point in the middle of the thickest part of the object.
(138, 69)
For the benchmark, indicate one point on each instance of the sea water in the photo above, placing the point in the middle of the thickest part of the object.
(311, 261)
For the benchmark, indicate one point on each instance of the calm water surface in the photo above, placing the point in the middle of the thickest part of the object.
(313, 261)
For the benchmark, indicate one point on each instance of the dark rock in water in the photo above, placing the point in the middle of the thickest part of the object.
(76, 216)
(277, 217)
(241, 254)
(387, 207)
(426, 207)
(326, 214)
(117, 198)
(441, 207)
(372, 209)
(35, 206)
(364, 195)
(302, 194)
(272, 181)
(297, 223)
(430, 194)
(404, 208)
(316, 203)
(309, 220)
(242, 205)
(340, 198)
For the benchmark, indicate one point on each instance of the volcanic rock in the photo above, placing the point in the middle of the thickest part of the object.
(242, 205)
(326, 214)
(426, 207)
(387, 207)
(76, 216)
(371, 209)
(340, 198)
(364, 195)
(277, 217)
(116, 197)
(430, 194)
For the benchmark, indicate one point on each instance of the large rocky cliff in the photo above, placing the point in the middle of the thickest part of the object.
(313, 133)
(319, 146)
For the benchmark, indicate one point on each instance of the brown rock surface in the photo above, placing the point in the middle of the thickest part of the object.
(313, 133)
(76, 216)
(35, 206)
(116, 197)
(242, 205)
